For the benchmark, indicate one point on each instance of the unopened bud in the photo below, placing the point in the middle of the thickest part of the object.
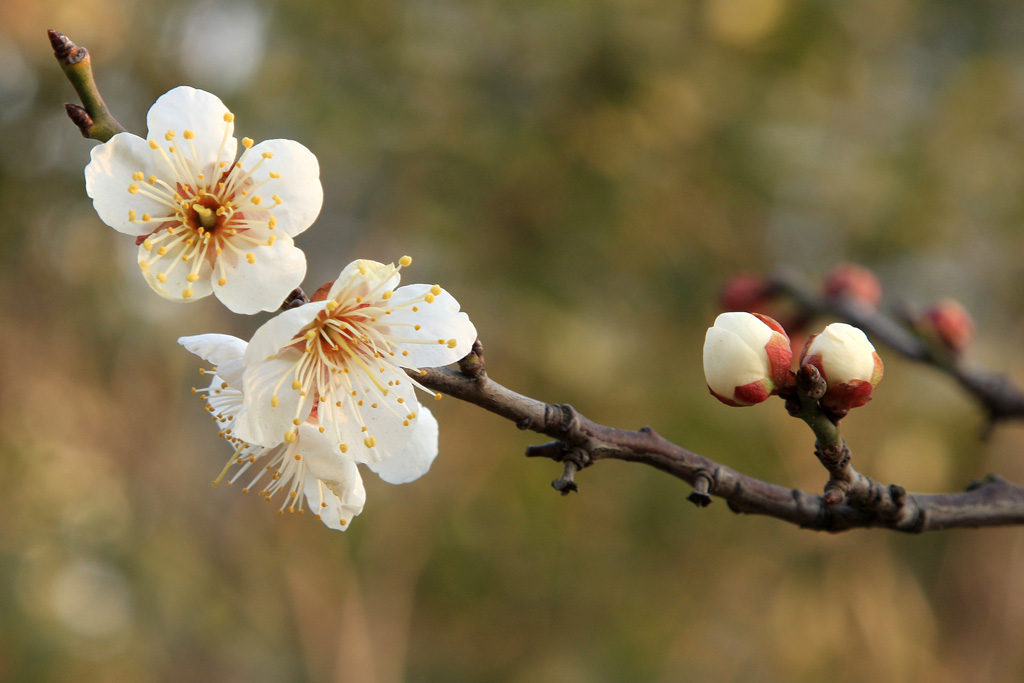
(847, 362)
(747, 358)
(950, 324)
(745, 292)
(855, 283)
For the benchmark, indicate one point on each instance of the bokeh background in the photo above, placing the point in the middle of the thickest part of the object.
(583, 175)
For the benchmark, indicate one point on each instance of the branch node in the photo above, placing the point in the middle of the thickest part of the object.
(472, 366)
(701, 485)
(834, 458)
(810, 382)
(80, 117)
(899, 495)
(569, 418)
(835, 493)
(294, 300)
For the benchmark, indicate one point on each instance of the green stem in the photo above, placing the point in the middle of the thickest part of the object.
(93, 118)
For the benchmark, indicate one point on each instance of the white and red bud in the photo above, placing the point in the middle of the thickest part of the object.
(853, 282)
(847, 362)
(950, 324)
(747, 358)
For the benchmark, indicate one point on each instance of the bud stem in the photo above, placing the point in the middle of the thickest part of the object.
(97, 122)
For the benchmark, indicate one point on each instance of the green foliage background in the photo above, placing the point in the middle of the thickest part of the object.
(583, 176)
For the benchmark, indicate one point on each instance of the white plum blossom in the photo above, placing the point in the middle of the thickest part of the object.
(847, 362)
(747, 358)
(206, 222)
(308, 471)
(344, 359)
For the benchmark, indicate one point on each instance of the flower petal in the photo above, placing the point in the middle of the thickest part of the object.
(333, 486)
(416, 458)
(386, 416)
(263, 283)
(168, 275)
(729, 362)
(298, 186)
(224, 402)
(440, 320)
(846, 354)
(279, 331)
(223, 350)
(750, 327)
(361, 277)
(264, 420)
(108, 176)
(185, 108)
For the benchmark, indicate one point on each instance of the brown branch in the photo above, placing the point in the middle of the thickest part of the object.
(580, 442)
(1000, 397)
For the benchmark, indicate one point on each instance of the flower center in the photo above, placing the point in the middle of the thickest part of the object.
(204, 213)
(215, 219)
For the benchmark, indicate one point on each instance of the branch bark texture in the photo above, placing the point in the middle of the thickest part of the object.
(580, 442)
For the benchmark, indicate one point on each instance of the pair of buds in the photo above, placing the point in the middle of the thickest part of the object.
(748, 357)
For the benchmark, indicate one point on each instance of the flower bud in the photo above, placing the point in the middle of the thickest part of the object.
(848, 363)
(949, 323)
(747, 358)
(853, 282)
(745, 292)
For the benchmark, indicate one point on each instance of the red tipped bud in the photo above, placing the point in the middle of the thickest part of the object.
(745, 292)
(747, 358)
(847, 362)
(950, 324)
(853, 282)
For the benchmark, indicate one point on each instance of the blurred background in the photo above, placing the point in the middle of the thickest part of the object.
(583, 176)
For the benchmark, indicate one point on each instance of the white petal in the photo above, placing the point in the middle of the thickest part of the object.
(298, 188)
(224, 402)
(846, 353)
(262, 285)
(360, 277)
(176, 272)
(214, 348)
(747, 326)
(729, 362)
(440, 320)
(279, 331)
(261, 421)
(108, 176)
(385, 423)
(333, 486)
(186, 108)
(416, 458)
(224, 351)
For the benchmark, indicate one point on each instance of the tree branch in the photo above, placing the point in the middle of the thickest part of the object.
(1001, 399)
(580, 442)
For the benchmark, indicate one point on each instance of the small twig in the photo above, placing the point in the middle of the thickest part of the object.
(92, 118)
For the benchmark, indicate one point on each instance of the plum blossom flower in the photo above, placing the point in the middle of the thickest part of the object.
(847, 362)
(747, 358)
(308, 471)
(345, 358)
(204, 221)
